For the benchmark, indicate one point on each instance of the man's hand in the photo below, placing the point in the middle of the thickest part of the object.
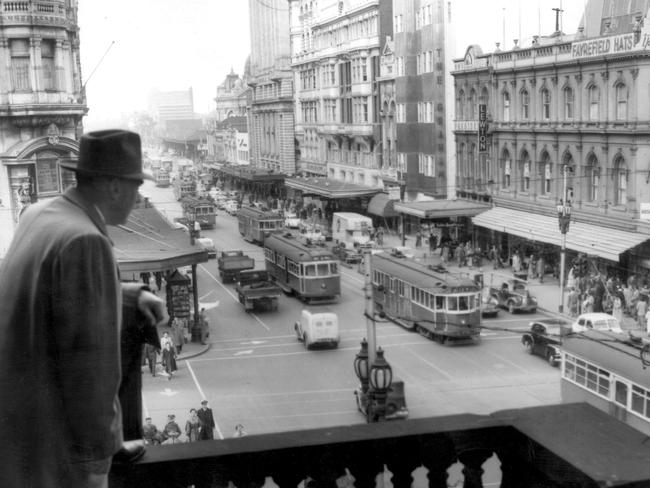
(152, 307)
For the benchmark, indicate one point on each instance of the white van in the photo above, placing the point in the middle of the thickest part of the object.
(318, 329)
(351, 228)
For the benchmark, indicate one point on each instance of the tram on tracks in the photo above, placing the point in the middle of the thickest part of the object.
(255, 224)
(199, 210)
(440, 306)
(308, 271)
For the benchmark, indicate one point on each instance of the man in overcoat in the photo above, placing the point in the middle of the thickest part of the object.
(207, 422)
(61, 310)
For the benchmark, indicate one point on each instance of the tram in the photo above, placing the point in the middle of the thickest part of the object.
(255, 224)
(199, 210)
(608, 370)
(184, 187)
(310, 272)
(440, 306)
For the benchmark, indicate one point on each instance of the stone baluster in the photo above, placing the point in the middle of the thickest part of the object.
(473, 466)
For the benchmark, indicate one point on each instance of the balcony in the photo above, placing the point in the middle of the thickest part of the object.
(556, 446)
(31, 12)
(356, 159)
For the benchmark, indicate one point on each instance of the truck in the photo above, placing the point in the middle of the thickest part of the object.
(231, 263)
(255, 289)
(351, 229)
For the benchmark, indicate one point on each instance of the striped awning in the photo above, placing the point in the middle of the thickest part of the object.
(582, 237)
(381, 205)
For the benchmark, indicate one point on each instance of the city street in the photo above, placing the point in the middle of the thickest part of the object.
(257, 373)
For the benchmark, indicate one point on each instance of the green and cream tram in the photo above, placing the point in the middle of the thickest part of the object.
(440, 306)
(310, 272)
(255, 224)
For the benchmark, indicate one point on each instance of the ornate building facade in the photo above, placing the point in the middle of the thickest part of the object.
(569, 122)
(42, 103)
(271, 123)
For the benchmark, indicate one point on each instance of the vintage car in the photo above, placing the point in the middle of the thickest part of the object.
(489, 304)
(545, 338)
(514, 296)
(291, 220)
(596, 321)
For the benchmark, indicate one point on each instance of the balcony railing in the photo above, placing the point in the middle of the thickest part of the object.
(556, 446)
(359, 159)
(43, 11)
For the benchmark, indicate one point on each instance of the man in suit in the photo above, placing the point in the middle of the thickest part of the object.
(62, 307)
(207, 422)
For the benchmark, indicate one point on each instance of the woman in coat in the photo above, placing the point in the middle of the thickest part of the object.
(193, 426)
(169, 360)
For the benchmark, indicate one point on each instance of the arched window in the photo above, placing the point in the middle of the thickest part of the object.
(594, 102)
(471, 162)
(484, 99)
(505, 168)
(525, 104)
(461, 164)
(546, 104)
(620, 178)
(524, 171)
(460, 110)
(593, 178)
(621, 102)
(568, 165)
(472, 105)
(568, 103)
(506, 106)
(545, 173)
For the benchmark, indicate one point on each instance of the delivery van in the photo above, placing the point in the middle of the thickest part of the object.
(351, 229)
(318, 329)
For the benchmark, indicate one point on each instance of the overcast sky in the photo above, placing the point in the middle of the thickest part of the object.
(173, 45)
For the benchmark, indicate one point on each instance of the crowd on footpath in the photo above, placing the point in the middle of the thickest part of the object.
(171, 345)
(199, 426)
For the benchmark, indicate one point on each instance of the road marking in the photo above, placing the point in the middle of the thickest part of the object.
(168, 392)
(198, 387)
(429, 363)
(232, 295)
(256, 343)
(505, 360)
(207, 294)
(241, 353)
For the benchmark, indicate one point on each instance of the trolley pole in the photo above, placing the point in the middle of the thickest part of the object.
(370, 307)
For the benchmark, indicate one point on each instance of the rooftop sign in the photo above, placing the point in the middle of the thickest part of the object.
(602, 46)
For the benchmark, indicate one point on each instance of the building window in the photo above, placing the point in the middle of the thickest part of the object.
(471, 106)
(546, 104)
(594, 102)
(621, 102)
(328, 75)
(506, 107)
(401, 162)
(47, 63)
(568, 103)
(400, 114)
(426, 165)
(330, 110)
(506, 169)
(399, 66)
(20, 78)
(548, 174)
(525, 104)
(460, 109)
(593, 179)
(360, 109)
(620, 176)
(524, 167)
(397, 23)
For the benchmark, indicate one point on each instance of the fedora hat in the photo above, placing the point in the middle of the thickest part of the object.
(112, 152)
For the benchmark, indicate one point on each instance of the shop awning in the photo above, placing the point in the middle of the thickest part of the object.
(330, 188)
(432, 209)
(587, 238)
(382, 206)
(148, 243)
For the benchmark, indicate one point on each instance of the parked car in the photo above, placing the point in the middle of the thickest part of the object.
(545, 338)
(402, 252)
(231, 206)
(489, 304)
(514, 296)
(291, 220)
(596, 321)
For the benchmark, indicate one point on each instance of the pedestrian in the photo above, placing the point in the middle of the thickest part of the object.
(151, 354)
(588, 303)
(617, 309)
(193, 426)
(150, 433)
(461, 255)
(239, 431)
(540, 268)
(641, 310)
(172, 432)
(62, 309)
(166, 339)
(572, 302)
(177, 336)
(516, 262)
(204, 324)
(207, 422)
(169, 360)
(418, 239)
(433, 242)
(531, 267)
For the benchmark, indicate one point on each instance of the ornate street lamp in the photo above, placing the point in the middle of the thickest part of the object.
(564, 218)
(381, 377)
(361, 366)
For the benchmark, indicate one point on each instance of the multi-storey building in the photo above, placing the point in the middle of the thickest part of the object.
(271, 124)
(172, 105)
(569, 122)
(232, 97)
(42, 102)
(335, 58)
(423, 88)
